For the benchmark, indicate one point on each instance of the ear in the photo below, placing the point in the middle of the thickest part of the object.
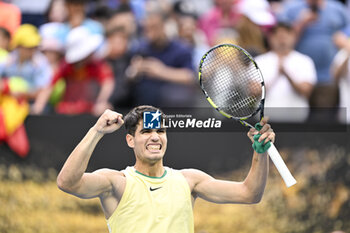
(130, 140)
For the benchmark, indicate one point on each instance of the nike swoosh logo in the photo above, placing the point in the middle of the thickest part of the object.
(153, 189)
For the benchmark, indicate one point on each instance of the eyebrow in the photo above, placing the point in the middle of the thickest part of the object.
(144, 130)
(148, 130)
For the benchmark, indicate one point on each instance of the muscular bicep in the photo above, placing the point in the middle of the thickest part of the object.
(218, 191)
(92, 184)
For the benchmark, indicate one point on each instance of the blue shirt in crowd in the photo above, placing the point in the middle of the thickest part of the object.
(36, 72)
(163, 93)
(316, 39)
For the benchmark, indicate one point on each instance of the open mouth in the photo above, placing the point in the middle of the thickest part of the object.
(154, 147)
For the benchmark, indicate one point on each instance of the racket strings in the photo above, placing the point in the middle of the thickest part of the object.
(233, 82)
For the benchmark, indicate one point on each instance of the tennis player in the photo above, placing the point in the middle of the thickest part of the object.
(149, 197)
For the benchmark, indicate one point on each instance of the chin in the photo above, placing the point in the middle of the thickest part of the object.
(155, 157)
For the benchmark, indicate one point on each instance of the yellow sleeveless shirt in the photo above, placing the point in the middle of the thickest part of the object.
(153, 204)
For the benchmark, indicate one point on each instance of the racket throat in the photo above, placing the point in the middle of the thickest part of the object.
(246, 124)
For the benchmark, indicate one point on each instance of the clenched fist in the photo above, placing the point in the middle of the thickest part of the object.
(109, 122)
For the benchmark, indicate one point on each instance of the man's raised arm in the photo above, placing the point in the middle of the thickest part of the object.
(72, 177)
(249, 191)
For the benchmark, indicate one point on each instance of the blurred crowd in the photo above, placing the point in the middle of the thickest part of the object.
(83, 56)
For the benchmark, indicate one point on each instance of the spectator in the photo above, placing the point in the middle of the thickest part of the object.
(315, 22)
(163, 70)
(76, 16)
(102, 14)
(5, 39)
(26, 64)
(166, 7)
(289, 76)
(56, 11)
(188, 31)
(341, 74)
(340, 38)
(119, 58)
(89, 82)
(259, 12)
(137, 6)
(53, 49)
(250, 36)
(124, 18)
(224, 14)
(13, 112)
(23, 76)
(253, 24)
(50, 44)
(51, 32)
(10, 16)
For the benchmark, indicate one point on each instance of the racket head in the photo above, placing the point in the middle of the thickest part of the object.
(232, 82)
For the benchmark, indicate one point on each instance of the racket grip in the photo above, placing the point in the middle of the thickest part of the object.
(281, 166)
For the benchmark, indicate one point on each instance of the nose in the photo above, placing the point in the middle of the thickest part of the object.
(154, 136)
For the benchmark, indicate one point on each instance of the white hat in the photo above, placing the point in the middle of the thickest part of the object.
(258, 11)
(51, 38)
(81, 43)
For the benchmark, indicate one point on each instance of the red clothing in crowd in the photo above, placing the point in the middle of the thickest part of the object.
(82, 85)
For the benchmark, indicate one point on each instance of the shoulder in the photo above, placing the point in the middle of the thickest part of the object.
(190, 171)
(110, 173)
(179, 46)
(301, 58)
(335, 10)
(179, 43)
(117, 182)
(115, 177)
(194, 175)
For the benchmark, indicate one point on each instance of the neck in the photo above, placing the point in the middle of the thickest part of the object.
(155, 170)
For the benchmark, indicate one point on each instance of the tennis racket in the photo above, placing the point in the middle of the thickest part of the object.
(233, 84)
